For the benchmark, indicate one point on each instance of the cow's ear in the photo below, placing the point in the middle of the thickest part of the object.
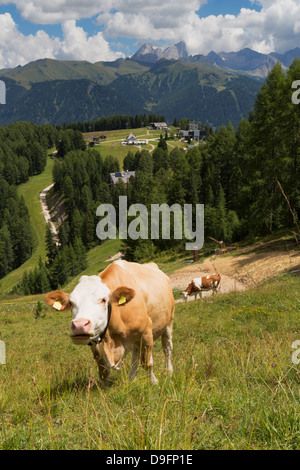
(58, 300)
(122, 295)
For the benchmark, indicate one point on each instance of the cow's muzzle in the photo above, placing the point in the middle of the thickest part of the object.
(81, 331)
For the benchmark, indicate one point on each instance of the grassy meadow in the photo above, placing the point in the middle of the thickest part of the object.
(112, 144)
(234, 384)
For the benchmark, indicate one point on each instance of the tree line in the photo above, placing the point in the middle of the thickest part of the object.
(115, 122)
(22, 154)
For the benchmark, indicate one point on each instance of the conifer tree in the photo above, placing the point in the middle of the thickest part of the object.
(291, 125)
(268, 145)
(51, 248)
(162, 143)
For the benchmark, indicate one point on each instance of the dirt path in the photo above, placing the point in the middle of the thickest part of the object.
(43, 199)
(239, 272)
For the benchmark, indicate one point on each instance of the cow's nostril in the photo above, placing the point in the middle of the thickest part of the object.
(81, 326)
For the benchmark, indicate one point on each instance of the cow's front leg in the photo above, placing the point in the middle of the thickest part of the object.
(146, 355)
(103, 364)
(134, 361)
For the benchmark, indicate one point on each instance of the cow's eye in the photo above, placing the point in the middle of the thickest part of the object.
(103, 301)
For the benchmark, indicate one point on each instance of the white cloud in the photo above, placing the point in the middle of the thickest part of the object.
(78, 45)
(275, 27)
(19, 49)
(58, 11)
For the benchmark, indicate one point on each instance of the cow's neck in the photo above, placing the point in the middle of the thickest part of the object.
(99, 338)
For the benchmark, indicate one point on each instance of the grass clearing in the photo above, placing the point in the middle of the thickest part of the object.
(234, 384)
(112, 144)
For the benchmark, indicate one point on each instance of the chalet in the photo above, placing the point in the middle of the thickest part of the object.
(132, 140)
(161, 126)
(124, 175)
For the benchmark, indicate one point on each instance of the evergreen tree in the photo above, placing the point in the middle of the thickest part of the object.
(291, 128)
(269, 149)
(162, 143)
(51, 248)
(160, 159)
(129, 162)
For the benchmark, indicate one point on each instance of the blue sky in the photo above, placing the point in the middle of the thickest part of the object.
(96, 30)
(229, 7)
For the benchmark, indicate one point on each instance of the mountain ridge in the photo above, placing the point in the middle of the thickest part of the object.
(172, 88)
(246, 60)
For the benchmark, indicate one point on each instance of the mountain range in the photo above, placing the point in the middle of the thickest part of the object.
(213, 89)
(248, 61)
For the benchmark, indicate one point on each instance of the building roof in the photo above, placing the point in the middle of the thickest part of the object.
(131, 137)
(160, 124)
(124, 175)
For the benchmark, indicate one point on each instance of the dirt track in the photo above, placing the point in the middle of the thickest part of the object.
(239, 272)
(46, 213)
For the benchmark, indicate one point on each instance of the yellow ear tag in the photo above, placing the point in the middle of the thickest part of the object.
(57, 305)
(122, 300)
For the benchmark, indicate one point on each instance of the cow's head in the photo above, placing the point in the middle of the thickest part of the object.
(89, 302)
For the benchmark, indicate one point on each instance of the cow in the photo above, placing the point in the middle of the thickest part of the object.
(200, 284)
(126, 307)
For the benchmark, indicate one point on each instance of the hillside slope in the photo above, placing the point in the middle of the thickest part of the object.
(245, 268)
(175, 88)
(56, 92)
(44, 70)
(60, 101)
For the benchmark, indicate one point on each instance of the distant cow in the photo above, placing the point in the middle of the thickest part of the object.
(126, 307)
(200, 284)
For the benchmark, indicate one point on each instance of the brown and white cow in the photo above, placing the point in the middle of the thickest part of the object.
(200, 284)
(126, 307)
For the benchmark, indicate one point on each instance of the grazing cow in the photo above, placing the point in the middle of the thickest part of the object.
(126, 307)
(200, 284)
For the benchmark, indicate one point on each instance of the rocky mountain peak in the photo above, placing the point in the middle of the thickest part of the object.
(150, 54)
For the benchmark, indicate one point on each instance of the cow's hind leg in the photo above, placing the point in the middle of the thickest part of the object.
(167, 345)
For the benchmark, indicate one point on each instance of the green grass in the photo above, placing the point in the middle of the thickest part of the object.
(112, 146)
(31, 193)
(234, 384)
